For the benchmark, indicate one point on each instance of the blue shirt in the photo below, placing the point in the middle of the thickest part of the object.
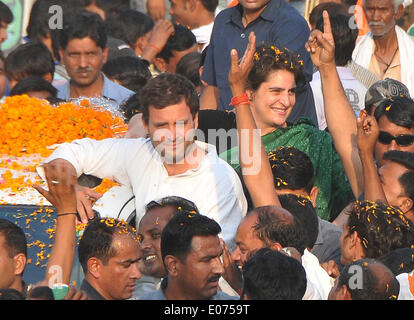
(111, 90)
(281, 25)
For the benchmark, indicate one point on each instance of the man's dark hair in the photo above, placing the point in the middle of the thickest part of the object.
(129, 25)
(33, 83)
(29, 59)
(177, 235)
(376, 284)
(180, 204)
(268, 59)
(399, 260)
(110, 7)
(97, 240)
(131, 107)
(271, 227)
(333, 8)
(344, 37)
(398, 110)
(292, 169)
(271, 275)
(6, 15)
(168, 89)
(210, 5)
(80, 24)
(15, 239)
(11, 294)
(182, 39)
(405, 159)
(41, 292)
(189, 67)
(304, 212)
(129, 72)
(381, 228)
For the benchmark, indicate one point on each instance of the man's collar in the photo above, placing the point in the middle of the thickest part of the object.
(270, 13)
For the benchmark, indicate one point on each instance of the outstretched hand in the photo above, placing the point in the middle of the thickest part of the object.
(239, 71)
(321, 45)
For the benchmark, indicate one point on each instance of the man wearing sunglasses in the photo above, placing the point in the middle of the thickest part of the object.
(395, 117)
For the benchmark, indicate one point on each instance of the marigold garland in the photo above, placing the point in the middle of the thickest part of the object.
(31, 127)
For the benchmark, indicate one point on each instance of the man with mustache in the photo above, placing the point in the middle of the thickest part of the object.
(387, 49)
(191, 251)
(83, 50)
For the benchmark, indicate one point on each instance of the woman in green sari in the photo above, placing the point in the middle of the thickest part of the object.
(270, 89)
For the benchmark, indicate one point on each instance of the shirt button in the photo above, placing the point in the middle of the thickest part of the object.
(243, 36)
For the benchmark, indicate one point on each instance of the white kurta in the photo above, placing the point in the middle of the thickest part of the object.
(213, 186)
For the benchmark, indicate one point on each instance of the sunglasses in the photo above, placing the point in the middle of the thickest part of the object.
(403, 140)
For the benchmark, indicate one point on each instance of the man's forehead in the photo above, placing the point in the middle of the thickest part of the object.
(378, 3)
(86, 42)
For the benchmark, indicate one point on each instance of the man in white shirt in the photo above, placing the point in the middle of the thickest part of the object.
(168, 163)
(198, 16)
(344, 38)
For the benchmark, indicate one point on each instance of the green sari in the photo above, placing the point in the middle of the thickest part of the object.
(334, 189)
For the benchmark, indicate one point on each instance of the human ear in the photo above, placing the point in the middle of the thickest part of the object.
(276, 246)
(313, 195)
(172, 265)
(406, 204)
(160, 64)
(19, 263)
(95, 267)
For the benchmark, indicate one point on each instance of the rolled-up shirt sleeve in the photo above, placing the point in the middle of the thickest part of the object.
(103, 158)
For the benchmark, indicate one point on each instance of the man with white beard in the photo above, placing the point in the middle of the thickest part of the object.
(387, 49)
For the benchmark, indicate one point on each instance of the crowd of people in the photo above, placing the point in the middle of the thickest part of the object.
(267, 157)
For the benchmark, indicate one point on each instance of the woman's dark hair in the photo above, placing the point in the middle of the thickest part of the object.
(168, 89)
(129, 72)
(268, 59)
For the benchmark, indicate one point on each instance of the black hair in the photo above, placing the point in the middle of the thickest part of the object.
(168, 89)
(381, 228)
(271, 275)
(33, 83)
(41, 292)
(29, 59)
(110, 7)
(97, 240)
(131, 107)
(180, 204)
(398, 110)
(344, 37)
(182, 39)
(333, 8)
(302, 209)
(130, 72)
(268, 59)
(15, 240)
(11, 294)
(399, 260)
(210, 5)
(405, 159)
(376, 285)
(177, 235)
(189, 67)
(79, 24)
(271, 228)
(6, 15)
(129, 25)
(292, 169)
